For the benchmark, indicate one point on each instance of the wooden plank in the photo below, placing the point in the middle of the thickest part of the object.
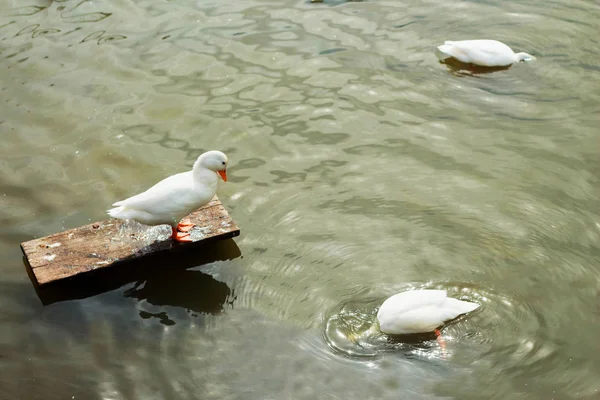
(159, 271)
(108, 243)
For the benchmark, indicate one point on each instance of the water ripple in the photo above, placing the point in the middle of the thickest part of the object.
(489, 332)
(357, 161)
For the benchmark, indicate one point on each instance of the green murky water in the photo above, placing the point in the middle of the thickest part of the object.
(360, 167)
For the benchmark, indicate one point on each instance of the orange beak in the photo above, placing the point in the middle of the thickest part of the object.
(223, 175)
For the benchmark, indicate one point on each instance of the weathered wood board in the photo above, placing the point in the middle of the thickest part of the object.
(107, 243)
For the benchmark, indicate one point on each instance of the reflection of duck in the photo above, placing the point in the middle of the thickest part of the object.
(485, 53)
(192, 290)
(463, 69)
(174, 197)
(419, 311)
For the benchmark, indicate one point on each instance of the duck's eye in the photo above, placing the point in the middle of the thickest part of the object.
(223, 162)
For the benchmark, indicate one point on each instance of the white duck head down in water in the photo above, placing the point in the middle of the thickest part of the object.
(485, 53)
(419, 311)
(174, 197)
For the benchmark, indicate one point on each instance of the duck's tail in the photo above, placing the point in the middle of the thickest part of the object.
(459, 306)
(446, 49)
(525, 57)
(120, 212)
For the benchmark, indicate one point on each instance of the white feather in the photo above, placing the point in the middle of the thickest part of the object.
(174, 197)
(419, 311)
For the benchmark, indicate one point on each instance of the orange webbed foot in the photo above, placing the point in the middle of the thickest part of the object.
(181, 237)
(185, 225)
(441, 341)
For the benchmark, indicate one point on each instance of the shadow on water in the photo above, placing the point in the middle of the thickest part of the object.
(332, 3)
(166, 276)
(194, 290)
(460, 68)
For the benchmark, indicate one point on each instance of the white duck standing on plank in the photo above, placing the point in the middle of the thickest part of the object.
(486, 53)
(420, 311)
(174, 197)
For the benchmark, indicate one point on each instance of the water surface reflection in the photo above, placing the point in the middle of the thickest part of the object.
(360, 165)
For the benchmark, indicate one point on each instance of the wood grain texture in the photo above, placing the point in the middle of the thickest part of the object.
(107, 243)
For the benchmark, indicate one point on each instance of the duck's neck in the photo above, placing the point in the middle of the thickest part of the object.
(204, 175)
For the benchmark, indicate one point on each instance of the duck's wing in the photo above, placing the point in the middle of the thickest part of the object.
(454, 307)
(411, 312)
(413, 299)
(169, 190)
(484, 52)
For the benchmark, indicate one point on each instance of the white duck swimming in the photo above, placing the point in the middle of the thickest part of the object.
(486, 53)
(420, 311)
(173, 198)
